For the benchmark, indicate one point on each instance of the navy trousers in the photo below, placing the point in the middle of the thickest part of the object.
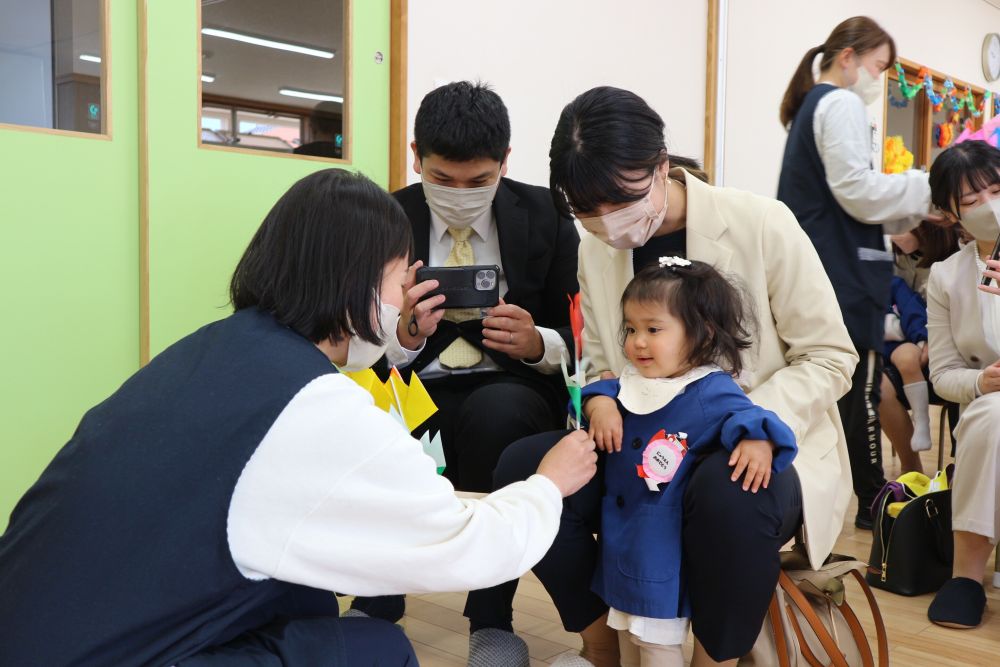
(304, 630)
(731, 541)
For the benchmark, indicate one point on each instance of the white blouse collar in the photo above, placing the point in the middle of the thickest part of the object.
(642, 396)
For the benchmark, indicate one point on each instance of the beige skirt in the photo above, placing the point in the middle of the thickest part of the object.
(976, 486)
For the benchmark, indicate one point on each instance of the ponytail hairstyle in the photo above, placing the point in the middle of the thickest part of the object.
(859, 33)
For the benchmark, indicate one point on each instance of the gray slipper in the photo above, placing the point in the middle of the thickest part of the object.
(492, 647)
(572, 660)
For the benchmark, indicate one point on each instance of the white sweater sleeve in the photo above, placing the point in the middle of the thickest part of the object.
(897, 201)
(399, 356)
(339, 497)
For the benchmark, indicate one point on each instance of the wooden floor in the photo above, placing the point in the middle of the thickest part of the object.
(440, 634)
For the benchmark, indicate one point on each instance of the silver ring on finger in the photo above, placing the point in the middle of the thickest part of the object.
(510, 335)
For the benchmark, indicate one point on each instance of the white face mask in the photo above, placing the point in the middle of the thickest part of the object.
(981, 221)
(632, 226)
(459, 207)
(867, 87)
(360, 353)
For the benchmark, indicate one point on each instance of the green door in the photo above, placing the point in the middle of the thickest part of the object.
(205, 202)
(69, 233)
(118, 236)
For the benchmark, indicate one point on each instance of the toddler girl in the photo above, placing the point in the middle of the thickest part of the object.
(676, 401)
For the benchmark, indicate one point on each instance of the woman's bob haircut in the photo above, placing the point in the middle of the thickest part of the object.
(970, 166)
(316, 263)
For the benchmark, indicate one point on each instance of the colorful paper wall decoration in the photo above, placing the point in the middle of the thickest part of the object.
(944, 133)
(950, 95)
(990, 133)
(410, 405)
(895, 157)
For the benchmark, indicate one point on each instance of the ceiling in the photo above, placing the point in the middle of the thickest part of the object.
(255, 72)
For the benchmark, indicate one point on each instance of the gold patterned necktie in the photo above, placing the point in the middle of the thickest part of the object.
(461, 353)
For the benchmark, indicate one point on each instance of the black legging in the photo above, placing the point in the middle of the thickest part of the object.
(731, 540)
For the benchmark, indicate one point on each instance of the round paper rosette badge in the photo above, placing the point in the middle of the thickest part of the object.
(662, 457)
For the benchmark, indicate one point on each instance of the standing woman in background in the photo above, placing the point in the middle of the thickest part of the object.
(845, 205)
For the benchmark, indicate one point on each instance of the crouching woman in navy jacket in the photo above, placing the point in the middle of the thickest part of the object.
(204, 512)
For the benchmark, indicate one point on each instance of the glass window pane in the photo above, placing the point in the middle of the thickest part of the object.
(284, 129)
(51, 64)
(903, 118)
(276, 71)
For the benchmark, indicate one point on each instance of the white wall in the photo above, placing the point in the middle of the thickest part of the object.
(540, 54)
(767, 39)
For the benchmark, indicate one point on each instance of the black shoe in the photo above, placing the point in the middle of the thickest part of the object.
(863, 520)
(959, 604)
(386, 607)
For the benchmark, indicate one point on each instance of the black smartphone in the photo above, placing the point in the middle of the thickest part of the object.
(993, 255)
(464, 286)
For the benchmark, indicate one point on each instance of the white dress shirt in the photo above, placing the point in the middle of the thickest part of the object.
(897, 201)
(485, 244)
(338, 496)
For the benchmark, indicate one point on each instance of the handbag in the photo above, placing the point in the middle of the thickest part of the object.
(809, 621)
(912, 547)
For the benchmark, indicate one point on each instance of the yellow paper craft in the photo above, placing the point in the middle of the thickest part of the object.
(895, 157)
(419, 405)
(412, 403)
(370, 383)
(397, 388)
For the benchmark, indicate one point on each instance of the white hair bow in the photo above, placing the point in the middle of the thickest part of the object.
(673, 261)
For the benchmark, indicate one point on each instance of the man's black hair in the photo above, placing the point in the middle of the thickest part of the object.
(462, 121)
(317, 260)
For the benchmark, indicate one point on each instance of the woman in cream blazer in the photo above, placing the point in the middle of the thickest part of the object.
(803, 359)
(963, 326)
(609, 163)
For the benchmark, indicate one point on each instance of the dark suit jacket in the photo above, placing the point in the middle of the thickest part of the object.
(538, 252)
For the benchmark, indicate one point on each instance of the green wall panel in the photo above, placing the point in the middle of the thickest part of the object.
(205, 203)
(70, 220)
(69, 256)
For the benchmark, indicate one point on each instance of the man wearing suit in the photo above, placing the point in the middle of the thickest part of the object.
(494, 379)
(498, 378)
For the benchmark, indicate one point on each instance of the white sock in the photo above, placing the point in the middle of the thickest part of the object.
(916, 394)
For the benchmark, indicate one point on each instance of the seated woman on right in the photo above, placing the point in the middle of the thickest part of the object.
(963, 324)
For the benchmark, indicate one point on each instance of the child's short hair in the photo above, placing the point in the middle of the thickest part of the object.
(717, 315)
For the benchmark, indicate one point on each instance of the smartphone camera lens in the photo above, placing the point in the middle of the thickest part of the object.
(481, 275)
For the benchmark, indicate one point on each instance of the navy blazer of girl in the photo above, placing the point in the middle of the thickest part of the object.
(639, 571)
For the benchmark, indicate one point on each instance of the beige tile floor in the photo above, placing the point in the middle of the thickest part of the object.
(440, 634)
